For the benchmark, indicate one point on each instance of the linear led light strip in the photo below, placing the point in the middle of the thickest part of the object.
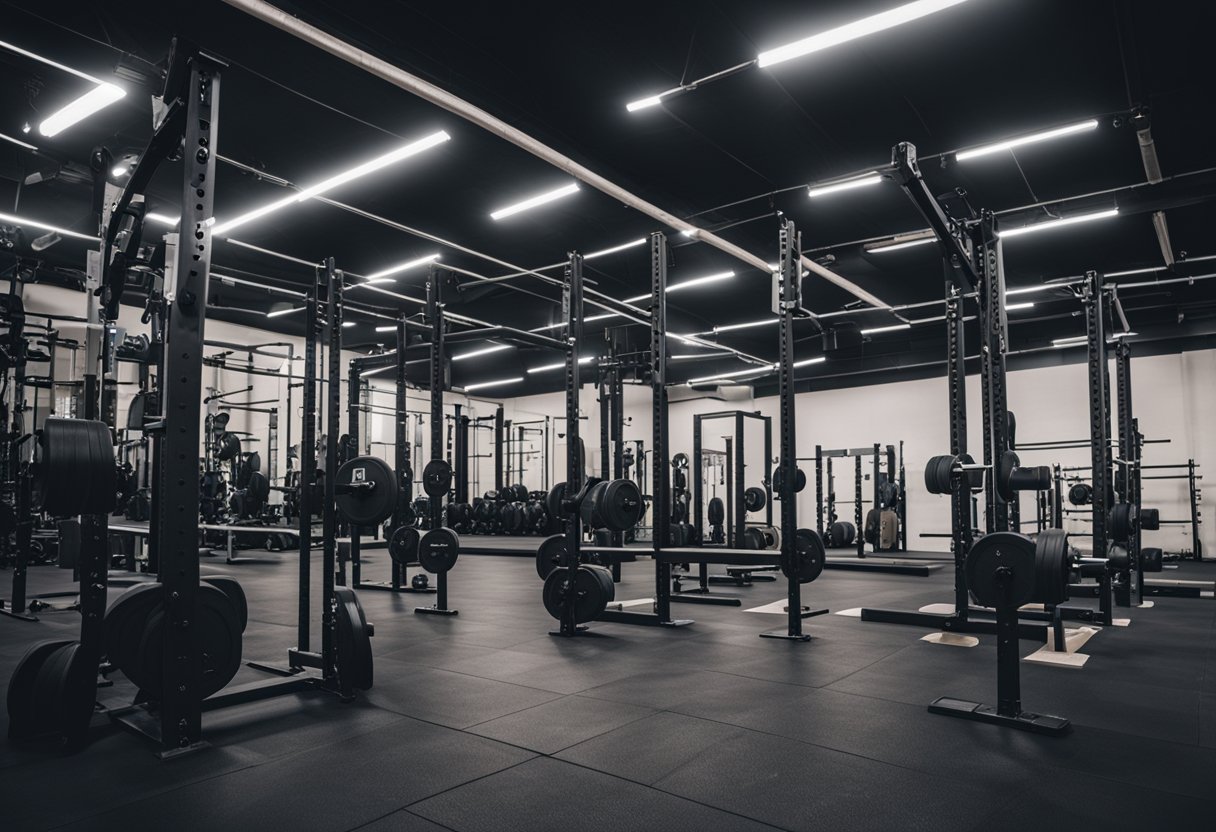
(95, 99)
(280, 312)
(16, 220)
(17, 142)
(498, 383)
(404, 152)
(484, 351)
(544, 368)
(871, 178)
(686, 284)
(383, 276)
(857, 29)
(534, 201)
(815, 43)
(819, 359)
(1060, 223)
(1034, 138)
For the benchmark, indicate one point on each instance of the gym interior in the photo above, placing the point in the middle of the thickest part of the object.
(746, 416)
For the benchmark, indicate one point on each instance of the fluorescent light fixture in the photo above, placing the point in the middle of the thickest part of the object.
(276, 313)
(1034, 138)
(747, 325)
(690, 232)
(120, 170)
(411, 149)
(15, 220)
(615, 249)
(1050, 224)
(1124, 334)
(347, 324)
(544, 368)
(497, 383)
(98, 98)
(897, 244)
(401, 267)
(699, 281)
(377, 371)
(892, 328)
(47, 61)
(1026, 290)
(750, 371)
(594, 318)
(851, 31)
(392, 328)
(643, 103)
(696, 355)
(686, 284)
(1014, 307)
(532, 202)
(819, 359)
(163, 219)
(1135, 271)
(483, 351)
(1072, 341)
(18, 142)
(862, 181)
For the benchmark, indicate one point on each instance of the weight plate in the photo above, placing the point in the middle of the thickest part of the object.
(403, 545)
(836, 535)
(437, 477)
(550, 554)
(1009, 552)
(808, 546)
(1150, 519)
(753, 538)
(589, 600)
(754, 499)
(716, 511)
(22, 694)
(374, 492)
(589, 508)
(231, 587)
(553, 501)
(229, 446)
(778, 480)
(872, 527)
(1080, 494)
(680, 462)
(217, 628)
(124, 623)
(438, 550)
(354, 644)
(49, 688)
(75, 695)
(519, 493)
(1009, 462)
(604, 575)
(1151, 558)
(619, 504)
(1053, 567)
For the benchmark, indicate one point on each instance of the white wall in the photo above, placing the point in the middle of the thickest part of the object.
(1173, 397)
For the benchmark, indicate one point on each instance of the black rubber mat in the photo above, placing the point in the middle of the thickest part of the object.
(485, 721)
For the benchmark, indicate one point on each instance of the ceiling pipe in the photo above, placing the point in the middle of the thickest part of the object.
(442, 98)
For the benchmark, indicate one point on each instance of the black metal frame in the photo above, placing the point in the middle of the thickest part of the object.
(737, 510)
(437, 384)
(972, 264)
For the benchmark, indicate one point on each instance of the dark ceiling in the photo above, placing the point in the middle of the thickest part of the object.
(732, 155)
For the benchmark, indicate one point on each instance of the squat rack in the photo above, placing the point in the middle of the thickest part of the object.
(972, 262)
(787, 305)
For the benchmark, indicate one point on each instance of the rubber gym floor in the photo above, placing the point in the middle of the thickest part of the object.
(485, 722)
